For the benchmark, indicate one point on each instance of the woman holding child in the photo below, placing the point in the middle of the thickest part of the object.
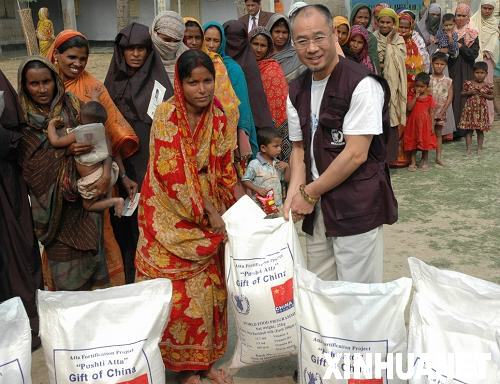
(191, 176)
(70, 53)
(69, 234)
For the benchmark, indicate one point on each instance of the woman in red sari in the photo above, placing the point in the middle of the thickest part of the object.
(414, 65)
(274, 82)
(188, 184)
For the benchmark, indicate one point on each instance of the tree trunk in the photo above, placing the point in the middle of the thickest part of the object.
(122, 13)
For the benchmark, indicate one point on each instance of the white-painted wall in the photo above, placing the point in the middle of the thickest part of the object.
(218, 10)
(97, 18)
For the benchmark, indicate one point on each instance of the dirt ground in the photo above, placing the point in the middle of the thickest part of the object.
(448, 217)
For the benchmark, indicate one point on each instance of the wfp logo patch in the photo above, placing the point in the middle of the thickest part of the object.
(312, 377)
(337, 137)
(283, 296)
(241, 304)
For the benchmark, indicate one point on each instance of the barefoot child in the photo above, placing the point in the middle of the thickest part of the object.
(442, 93)
(90, 166)
(266, 172)
(419, 131)
(475, 113)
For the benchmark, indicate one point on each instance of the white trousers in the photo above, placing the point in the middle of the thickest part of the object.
(357, 258)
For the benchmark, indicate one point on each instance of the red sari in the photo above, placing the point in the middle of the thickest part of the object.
(175, 238)
(275, 88)
(414, 64)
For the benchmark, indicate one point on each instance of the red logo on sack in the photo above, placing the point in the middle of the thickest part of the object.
(365, 381)
(143, 379)
(283, 296)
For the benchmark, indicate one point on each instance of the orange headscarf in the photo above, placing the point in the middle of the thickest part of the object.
(122, 136)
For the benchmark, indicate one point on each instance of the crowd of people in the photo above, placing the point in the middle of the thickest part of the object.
(309, 106)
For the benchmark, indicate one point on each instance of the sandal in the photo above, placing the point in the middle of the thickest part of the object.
(218, 376)
(188, 377)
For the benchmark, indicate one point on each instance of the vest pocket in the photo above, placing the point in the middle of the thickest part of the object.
(359, 195)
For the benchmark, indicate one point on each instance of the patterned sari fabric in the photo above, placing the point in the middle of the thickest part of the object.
(175, 239)
(276, 89)
(44, 31)
(224, 92)
(414, 61)
(68, 233)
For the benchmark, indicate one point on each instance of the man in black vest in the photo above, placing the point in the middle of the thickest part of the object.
(340, 184)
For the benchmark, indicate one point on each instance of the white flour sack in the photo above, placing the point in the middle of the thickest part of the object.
(454, 327)
(349, 332)
(15, 343)
(107, 336)
(259, 261)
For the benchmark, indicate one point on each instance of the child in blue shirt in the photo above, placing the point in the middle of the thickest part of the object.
(266, 172)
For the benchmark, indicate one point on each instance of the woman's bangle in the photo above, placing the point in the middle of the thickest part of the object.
(123, 175)
(308, 198)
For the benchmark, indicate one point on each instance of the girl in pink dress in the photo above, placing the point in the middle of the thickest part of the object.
(475, 113)
(419, 132)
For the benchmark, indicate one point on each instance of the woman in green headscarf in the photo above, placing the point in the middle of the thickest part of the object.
(362, 15)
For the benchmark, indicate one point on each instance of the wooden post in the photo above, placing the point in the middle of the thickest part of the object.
(122, 14)
(69, 16)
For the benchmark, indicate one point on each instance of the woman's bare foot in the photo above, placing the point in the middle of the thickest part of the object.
(412, 168)
(439, 163)
(469, 152)
(118, 205)
(424, 167)
(218, 376)
(188, 377)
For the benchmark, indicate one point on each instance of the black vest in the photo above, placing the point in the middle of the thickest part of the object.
(365, 200)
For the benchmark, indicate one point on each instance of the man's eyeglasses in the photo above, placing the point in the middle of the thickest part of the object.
(318, 40)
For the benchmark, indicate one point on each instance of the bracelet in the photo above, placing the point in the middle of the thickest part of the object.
(123, 175)
(308, 198)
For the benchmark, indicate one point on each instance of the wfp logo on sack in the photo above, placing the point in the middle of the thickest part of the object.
(283, 296)
(241, 304)
(312, 377)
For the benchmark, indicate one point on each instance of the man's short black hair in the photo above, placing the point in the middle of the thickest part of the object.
(323, 9)
(266, 135)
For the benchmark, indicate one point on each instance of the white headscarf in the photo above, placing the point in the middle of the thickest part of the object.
(169, 23)
(296, 6)
(488, 32)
